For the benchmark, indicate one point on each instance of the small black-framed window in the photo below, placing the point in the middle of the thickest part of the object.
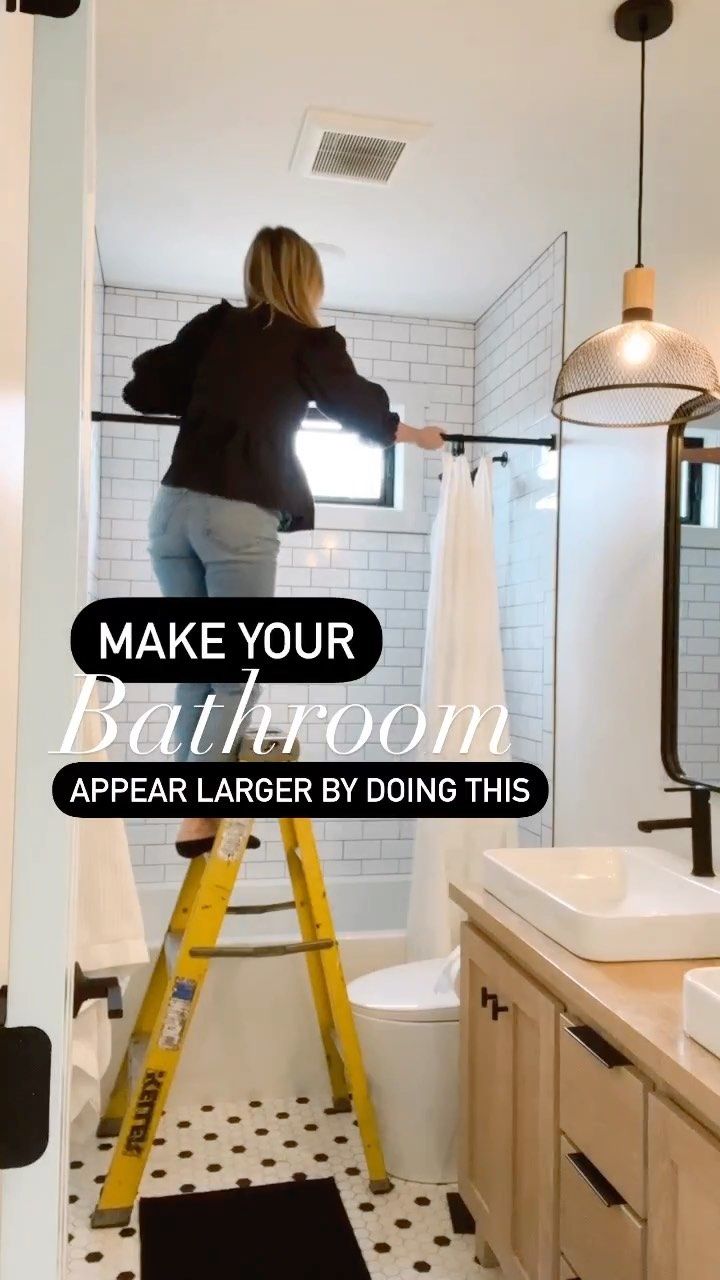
(691, 485)
(343, 468)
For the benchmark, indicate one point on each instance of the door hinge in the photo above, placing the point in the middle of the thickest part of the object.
(25, 1054)
(44, 8)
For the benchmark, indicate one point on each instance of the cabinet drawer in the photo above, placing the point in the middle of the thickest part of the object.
(602, 1109)
(601, 1240)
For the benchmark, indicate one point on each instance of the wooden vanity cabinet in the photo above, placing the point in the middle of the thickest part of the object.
(509, 1123)
(683, 1196)
(573, 1161)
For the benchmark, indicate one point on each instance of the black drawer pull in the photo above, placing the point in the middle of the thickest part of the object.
(485, 997)
(603, 1189)
(599, 1048)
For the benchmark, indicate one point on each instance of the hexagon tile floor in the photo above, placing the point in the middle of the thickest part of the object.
(404, 1234)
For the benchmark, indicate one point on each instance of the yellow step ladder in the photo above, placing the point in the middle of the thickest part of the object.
(146, 1074)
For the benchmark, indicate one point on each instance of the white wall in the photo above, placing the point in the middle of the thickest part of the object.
(386, 569)
(608, 767)
(16, 42)
(519, 342)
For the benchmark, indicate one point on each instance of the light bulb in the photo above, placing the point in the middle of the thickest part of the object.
(637, 347)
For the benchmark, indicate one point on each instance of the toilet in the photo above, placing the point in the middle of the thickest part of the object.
(408, 1021)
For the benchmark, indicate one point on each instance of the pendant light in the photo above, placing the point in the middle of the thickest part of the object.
(639, 373)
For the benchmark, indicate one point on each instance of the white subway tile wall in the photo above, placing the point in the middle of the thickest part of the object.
(518, 352)
(388, 571)
(699, 655)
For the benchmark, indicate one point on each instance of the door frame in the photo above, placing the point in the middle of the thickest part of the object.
(33, 1231)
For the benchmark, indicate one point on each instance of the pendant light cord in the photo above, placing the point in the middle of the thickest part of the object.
(641, 164)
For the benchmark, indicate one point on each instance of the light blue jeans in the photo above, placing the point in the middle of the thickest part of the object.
(200, 546)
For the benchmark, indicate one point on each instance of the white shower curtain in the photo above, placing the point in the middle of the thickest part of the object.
(462, 664)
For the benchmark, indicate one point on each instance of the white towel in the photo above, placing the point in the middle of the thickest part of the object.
(110, 936)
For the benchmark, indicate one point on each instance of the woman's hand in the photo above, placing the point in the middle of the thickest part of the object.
(423, 437)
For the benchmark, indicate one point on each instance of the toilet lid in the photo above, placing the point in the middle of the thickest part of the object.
(423, 991)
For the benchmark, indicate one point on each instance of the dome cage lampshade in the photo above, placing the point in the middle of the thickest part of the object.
(638, 373)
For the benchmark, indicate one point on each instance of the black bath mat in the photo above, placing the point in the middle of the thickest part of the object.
(463, 1223)
(289, 1229)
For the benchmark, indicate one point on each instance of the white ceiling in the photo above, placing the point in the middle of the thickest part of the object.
(532, 105)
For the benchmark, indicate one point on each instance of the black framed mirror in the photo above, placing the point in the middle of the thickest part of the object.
(690, 732)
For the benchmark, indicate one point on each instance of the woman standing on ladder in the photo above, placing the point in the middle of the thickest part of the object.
(240, 379)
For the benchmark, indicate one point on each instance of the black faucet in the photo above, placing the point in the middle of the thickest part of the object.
(699, 823)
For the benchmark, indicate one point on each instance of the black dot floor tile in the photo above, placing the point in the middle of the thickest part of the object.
(406, 1233)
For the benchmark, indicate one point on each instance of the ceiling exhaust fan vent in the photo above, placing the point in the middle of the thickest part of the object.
(352, 148)
(356, 157)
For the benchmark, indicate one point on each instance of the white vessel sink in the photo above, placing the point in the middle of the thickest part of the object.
(618, 903)
(701, 1007)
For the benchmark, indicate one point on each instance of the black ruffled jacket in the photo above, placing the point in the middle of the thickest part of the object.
(241, 388)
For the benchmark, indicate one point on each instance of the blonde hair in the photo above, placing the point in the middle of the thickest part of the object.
(283, 272)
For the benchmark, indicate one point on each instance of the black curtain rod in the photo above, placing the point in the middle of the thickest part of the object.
(547, 442)
(156, 420)
(145, 419)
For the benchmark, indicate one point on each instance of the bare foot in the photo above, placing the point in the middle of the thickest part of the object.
(197, 828)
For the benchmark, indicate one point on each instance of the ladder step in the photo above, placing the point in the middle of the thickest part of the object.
(275, 949)
(260, 908)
